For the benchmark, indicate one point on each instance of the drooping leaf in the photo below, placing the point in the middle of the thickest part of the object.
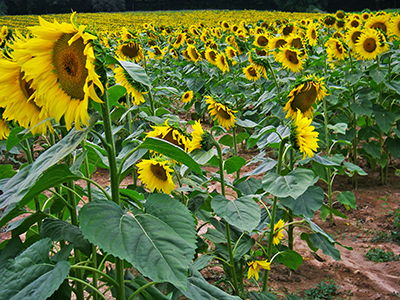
(265, 166)
(243, 213)
(318, 241)
(307, 203)
(172, 151)
(233, 164)
(347, 198)
(292, 185)
(249, 186)
(31, 275)
(137, 73)
(145, 241)
(59, 230)
(290, 259)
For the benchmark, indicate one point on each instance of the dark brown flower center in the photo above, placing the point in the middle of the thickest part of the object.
(369, 45)
(279, 43)
(130, 50)
(223, 113)
(159, 171)
(355, 36)
(305, 97)
(313, 34)
(292, 57)
(296, 43)
(262, 41)
(261, 52)
(252, 71)
(25, 86)
(354, 23)
(70, 65)
(379, 25)
(169, 137)
(339, 47)
(288, 29)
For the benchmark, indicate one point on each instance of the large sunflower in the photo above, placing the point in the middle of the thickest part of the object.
(312, 34)
(211, 56)
(290, 58)
(193, 53)
(261, 41)
(132, 88)
(352, 37)
(155, 174)
(221, 113)
(197, 136)
(17, 99)
(4, 129)
(367, 46)
(301, 98)
(306, 138)
(130, 51)
(335, 49)
(252, 72)
(62, 70)
(222, 63)
(378, 22)
(395, 26)
(170, 134)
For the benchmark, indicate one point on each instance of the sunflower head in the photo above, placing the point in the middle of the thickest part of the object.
(378, 22)
(187, 96)
(134, 89)
(4, 129)
(221, 113)
(304, 137)
(312, 34)
(193, 53)
(156, 174)
(170, 133)
(368, 44)
(256, 266)
(335, 49)
(131, 51)
(222, 62)
(252, 72)
(278, 232)
(290, 58)
(308, 91)
(261, 41)
(199, 138)
(395, 26)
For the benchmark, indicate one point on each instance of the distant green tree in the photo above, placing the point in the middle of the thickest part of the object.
(3, 8)
(108, 5)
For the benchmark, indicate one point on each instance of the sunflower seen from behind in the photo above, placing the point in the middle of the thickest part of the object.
(62, 70)
(221, 113)
(156, 174)
(301, 98)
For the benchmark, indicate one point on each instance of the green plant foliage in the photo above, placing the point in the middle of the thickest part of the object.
(380, 255)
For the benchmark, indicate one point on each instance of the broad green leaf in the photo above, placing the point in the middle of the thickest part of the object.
(114, 93)
(234, 164)
(393, 145)
(136, 282)
(243, 213)
(137, 73)
(202, 157)
(373, 149)
(319, 241)
(319, 230)
(384, 119)
(290, 259)
(307, 203)
(250, 186)
(352, 168)
(59, 230)
(265, 166)
(338, 128)
(347, 199)
(31, 275)
(246, 123)
(133, 159)
(15, 137)
(22, 225)
(325, 161)
(292, 185)
(6, 171)
(21, 188)
(181, 220)
(199, 288)
(263, 296)
(149, 244)
(172, 151)
(11, 249)
(226, 140)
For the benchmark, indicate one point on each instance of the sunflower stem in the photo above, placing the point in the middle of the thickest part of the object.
(274, 76)
(290, 212)
(152, 109)
(273, 215)
(235, 150)
(114, 181)
(232, 265)
(221, 167)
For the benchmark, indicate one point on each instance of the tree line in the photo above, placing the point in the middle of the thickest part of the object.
(17, 7)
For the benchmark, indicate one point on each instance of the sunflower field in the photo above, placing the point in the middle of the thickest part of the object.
(220, 134)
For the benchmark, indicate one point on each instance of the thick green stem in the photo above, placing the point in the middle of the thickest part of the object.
(235, 150)
(221, 168)
(290, 212)
(114, 182)
(141, 289)
(231, 259)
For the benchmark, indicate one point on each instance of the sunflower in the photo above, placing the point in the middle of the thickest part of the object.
(365, 16)
(187, 96)
(335, 49)
(306, 138)
(62, 70)
(4, 129)
(211, 56)
(301, 98)
(156, 174)
(221, 113)
(193, 53)
(394, 27)
(170, 134)
(290, 58)
(295, 41)
(173, 53)
(340, 14)
(130, 51)
(180, 39)
(156, 52)
(276, 42)
(197, 136)
(126, 34)
(353, 23)
(312, 34)
(352, 37)
(230, 52)
(261, 41)
(367, 46)
(278, 232)
(378, 22)
(329, 21)
(251, 72)
(222, 63)
(17, 97)
(124, 79)
(288, 30)
(256, 266)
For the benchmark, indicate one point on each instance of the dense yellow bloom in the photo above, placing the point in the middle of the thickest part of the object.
(211, 56)
(290, 58)
(130, 51)
(170, 134)
(335, 49)
(222, 63)
(187, 96)
(193, 53)
(304, 95)
(261, 40)
(305, 136)
(4, 130)
(256, 266)
(367, 45)
(155, 174)
(312, 34)
(276, 42)
(157, 53)
(122, 78)
(251, 72)
(352, 37)
(278, 232)
(221, 113)
(197, 136)
(62, 70)
(378, 22)
(395, 26)
(17, 97)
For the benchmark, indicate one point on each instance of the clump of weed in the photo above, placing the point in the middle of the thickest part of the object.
(323, 291)
(380, 255)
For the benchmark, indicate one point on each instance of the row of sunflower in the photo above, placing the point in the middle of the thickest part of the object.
(194, 96)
